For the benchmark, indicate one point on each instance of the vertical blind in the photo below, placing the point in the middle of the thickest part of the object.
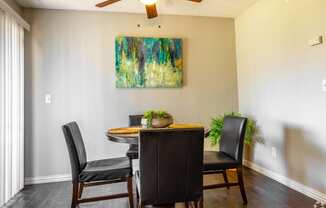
(11, 107)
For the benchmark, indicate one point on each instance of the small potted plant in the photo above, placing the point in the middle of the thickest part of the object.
(217, 125)
(157, 119)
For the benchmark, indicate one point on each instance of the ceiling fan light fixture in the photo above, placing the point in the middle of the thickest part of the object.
(148, 2)
(150, 6)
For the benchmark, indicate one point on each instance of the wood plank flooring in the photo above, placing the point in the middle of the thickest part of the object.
(262, 192)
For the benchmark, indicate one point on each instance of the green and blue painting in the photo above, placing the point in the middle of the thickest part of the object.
(148, 62)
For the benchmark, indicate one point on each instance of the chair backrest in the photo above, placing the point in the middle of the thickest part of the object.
(232, 137)
(171, 162)
(135, 120)
(76, 148)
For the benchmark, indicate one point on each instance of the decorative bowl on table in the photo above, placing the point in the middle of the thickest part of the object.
(162, 122)
(157, 119)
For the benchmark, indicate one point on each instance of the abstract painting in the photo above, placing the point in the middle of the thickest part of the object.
(148, 62)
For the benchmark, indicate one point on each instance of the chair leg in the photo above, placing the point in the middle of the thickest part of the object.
(131, 165)
(80, 191)
(74, 200)
(241, 184)
(225, 176)
(201, 202)
(141, 205)
(137, 194)
(196, 203)
(189, 204)
(130, 192)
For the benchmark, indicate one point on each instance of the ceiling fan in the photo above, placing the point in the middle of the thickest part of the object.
(150, 6)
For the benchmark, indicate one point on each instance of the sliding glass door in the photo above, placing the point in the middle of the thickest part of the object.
(11, 107)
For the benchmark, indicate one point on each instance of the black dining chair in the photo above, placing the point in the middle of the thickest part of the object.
(135, 120)
(132, 153)
(171, 162)
(230, 154)
(92, 173)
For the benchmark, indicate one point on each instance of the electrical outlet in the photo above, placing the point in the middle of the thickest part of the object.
(274, 153)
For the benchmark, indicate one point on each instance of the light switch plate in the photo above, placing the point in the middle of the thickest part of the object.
(47, 99)
(316, 41)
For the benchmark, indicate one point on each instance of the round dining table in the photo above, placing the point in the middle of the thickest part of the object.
(123, 138)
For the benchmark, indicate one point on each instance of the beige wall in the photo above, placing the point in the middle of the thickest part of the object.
(13, 4)
(279, 78)
(71, 55)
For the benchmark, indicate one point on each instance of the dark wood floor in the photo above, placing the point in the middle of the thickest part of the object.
(262, 192)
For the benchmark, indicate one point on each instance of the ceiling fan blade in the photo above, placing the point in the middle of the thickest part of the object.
(195, 0)
(151, 11)
(106, 3)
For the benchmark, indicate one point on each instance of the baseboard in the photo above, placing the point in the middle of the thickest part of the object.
(47, 179)
(312, 193)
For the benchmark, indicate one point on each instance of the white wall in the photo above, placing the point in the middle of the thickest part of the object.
(71, 55)
(279, 79)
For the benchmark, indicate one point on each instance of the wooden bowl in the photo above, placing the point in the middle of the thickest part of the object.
(162, 122)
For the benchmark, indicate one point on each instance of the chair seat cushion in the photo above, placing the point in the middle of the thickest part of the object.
(108, 169)
(218, 161)
(132, 152)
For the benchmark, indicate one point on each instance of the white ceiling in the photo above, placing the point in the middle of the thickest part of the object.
(213, 8)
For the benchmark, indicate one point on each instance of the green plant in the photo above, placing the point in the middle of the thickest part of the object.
(161, 114)
(150, 114)
(217, 125)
